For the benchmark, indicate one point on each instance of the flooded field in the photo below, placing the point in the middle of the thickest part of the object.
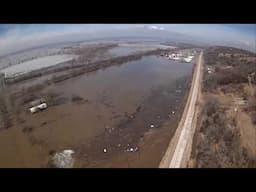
(120, 116)
(129, 48)
(36, 64)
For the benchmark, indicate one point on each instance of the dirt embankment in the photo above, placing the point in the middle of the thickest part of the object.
(178, 151)
(226, 131)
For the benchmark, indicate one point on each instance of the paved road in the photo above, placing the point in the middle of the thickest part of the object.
(178, 150)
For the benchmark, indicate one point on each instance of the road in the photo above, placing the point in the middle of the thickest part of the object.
(179, 149)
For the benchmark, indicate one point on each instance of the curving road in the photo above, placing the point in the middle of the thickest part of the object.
(178, 151)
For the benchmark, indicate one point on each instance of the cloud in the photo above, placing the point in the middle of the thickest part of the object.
(218, 34)
(16, 39)
(156, 27)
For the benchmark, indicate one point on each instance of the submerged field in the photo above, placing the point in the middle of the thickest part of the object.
(36, 64)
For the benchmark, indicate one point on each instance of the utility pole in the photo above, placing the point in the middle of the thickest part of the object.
(2, 82)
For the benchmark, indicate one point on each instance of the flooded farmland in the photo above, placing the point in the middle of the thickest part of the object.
(120, 116)
(124, 49)
(36, 64)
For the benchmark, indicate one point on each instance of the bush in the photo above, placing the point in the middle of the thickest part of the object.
(76, 98)
(220, 146)
(211, 106)
(253, 117)
(28, 98)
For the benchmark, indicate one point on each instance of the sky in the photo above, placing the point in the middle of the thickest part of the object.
(16, 37)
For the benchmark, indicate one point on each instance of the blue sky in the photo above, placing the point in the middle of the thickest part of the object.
(17, 37)
(243, 27)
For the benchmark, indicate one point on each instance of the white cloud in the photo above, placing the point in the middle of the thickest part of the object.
(15, 40)
(156, 27)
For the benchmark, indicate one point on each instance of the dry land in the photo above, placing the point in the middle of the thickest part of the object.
(226, 130)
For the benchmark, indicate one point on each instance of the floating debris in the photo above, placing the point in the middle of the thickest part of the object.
(132, 149)
(129, 150)
(119, 145)
(138, 109)
(152, 126)
(63, 159)
(44, 123)
(173, 112)
(105, 150)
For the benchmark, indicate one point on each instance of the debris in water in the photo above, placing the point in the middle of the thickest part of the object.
(173, 112)
(129, 150)
(152, 126)
(119, 145)
(44, 123)
(63, 159)
(138, 109)
(132, 149)
(105, 150)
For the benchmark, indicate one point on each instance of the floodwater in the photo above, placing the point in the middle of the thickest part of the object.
(134, 105)
(123, 51)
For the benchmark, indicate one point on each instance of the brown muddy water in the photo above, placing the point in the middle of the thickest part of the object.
(135, 106)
